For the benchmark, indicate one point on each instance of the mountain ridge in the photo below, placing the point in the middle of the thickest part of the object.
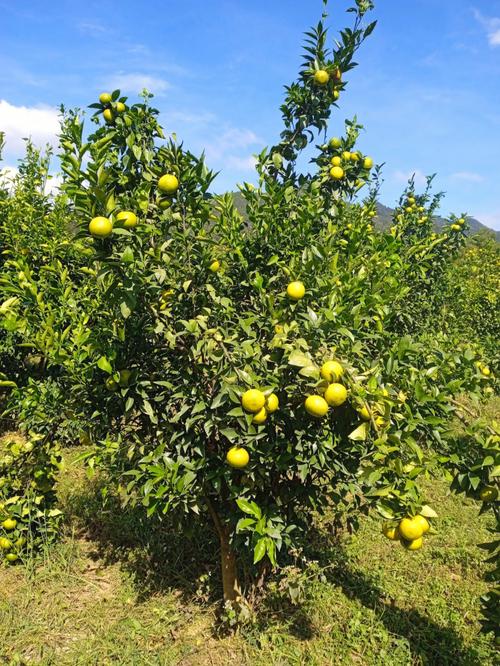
(385, 214)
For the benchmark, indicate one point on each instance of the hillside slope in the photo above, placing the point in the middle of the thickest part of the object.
(384, 218)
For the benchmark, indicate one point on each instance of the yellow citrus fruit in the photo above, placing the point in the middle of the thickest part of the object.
(11, 557)
(335, 142)
(336, 95)
(331, 371)
(120, 107)
(260, 417)
(461, 220)
(127, 218)
(390, 532)
(214, 266)
(485, 371)
(272, 403)
(336, 161)
(489, 494)
(364, 413)
(111, 384)
(125, 376)
(321, 77)
(316, 406)
(411, 200)
(9, 524)
(422, 520)
(100, 227)
(337, 173)
(411, 528)
(455, 227)
(5, 544)
(335, 395)
(164, 204)
(296, 290)
(108, 115)
(253, 400)
(368, 163)
(237, 457)
(354, 157)
(168, 183)
(105, 98)
(412, 544)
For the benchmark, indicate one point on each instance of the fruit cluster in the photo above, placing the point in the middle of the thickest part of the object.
(409, 531)
(102, 227)
(110, 108)
(27, 498)
(343, 165)
(329, 78)
(334, 395)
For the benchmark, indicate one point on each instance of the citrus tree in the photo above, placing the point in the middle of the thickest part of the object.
(255, 368)
(472, 289)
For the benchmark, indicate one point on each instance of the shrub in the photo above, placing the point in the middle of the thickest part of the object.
(29, 517)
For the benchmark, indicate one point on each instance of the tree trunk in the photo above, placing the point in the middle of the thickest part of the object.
(230, 585)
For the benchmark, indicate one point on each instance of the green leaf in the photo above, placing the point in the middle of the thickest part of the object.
(299, 359)
(230, 434)
(428, 512)
(260, 550)
(361, 432)
(147, 408)
(125, 310)
(127, 255)
(105, 365)
(244, 523)
(249, 507)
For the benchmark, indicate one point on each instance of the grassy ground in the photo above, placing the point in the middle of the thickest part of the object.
(112, 592)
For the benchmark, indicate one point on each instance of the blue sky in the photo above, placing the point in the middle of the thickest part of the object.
(427, 88)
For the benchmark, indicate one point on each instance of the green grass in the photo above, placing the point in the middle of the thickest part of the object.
(113, 591)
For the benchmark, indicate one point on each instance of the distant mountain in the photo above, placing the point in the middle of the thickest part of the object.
(384, 218)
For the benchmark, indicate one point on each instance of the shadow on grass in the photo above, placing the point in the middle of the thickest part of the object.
(429, 642)
(156, 554)
(161, 558)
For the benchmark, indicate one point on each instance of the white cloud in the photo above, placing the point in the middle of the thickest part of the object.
(492, 27)
(404, 177)
(222, 151)
(468, 176)
(240, 163)
(188, 118)
(93, 28)
(40, 123)
(230, 140)
(134, 83)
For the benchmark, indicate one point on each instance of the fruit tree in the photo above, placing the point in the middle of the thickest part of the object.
(256, 369)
